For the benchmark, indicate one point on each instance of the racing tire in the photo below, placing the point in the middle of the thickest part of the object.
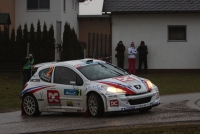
(95, 105)
(30, 105)
(146, 109)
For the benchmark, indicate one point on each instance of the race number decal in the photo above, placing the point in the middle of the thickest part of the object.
(50, 71)
(53, 98)
(125, 78)
(114, 103)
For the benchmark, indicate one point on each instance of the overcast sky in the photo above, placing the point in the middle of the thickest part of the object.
(90, 7)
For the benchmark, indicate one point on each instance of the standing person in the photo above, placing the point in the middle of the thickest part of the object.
(143, 51)
(132, 51)
(27, 66)
(120, 54)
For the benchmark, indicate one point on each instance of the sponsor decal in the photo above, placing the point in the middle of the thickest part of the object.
(35, 80)
(53, 98)
(40, 99)
(78, 110)
(70, 110)
(35, 75)
(155, 103)
(73, 92)
(127, 108)
(124, 78)
(97, 87)
(41, 94)
(70, 103)
(107, 94)
(112, 96)
(157, 95)
(114, 103)
(72, 82)
(143, 105)
(77, 66)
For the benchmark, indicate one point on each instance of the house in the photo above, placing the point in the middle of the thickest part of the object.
(7, 15)
(52, 12)
(170, 29)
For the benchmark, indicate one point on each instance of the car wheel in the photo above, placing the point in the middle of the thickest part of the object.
(146, 109)
(30, 105)
(95, 105)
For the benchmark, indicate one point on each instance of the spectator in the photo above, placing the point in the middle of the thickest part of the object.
(143, 51)
(27, 66)
(132, 58)
(120, 54)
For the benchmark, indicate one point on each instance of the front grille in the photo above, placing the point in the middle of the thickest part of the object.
(135, 94)
(139, 101)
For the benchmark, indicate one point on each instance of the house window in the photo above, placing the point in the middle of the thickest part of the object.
(38, 4)
(177, 33)
(64, 5)
(76, 5)
(72, 4)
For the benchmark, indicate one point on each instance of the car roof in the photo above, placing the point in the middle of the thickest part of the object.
(71, 62)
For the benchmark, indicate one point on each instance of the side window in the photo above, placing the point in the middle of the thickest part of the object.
(79, 80)
(46, 74)
(64, 75)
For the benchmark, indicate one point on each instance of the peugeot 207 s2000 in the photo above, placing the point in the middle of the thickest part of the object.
(86, 85)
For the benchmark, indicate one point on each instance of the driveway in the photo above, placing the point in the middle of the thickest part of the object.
(173, 108)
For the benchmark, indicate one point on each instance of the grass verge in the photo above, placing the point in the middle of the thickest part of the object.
(173, 128)
(11, 86)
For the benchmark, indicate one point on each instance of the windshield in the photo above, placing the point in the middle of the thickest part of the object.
(100, 71)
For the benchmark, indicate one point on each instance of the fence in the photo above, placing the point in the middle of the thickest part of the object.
(99, 46)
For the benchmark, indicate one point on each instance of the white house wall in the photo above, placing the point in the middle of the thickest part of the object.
(51, 17)
(153, 29)
(70, 16)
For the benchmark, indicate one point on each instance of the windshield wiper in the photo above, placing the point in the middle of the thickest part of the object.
(110, 69)
(118, 68)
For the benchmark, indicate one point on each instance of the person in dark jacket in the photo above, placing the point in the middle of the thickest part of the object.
(120, 54)
(143, 51)
(27, 68)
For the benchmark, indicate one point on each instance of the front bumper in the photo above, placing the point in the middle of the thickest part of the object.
(125, 103)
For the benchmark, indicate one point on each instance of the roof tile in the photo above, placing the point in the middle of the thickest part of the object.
(151, 5)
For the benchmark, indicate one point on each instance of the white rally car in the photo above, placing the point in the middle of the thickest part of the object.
(87, 86)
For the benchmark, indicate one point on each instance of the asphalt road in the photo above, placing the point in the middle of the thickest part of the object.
(173, 108)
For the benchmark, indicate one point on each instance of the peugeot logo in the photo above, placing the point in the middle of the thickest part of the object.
(137, 86)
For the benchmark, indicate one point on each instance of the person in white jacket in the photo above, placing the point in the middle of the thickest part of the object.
(132, 52)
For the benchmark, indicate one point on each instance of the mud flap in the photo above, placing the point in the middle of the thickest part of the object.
(86, 114)
(22, 110)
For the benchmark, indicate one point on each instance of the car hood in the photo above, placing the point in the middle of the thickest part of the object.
(130, 84)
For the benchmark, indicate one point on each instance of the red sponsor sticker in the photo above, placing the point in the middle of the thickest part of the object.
(53, 97)
(124, 78)
(114, 103)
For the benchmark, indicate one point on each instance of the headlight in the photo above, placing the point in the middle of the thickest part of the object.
(115, 90)
(148, 84)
